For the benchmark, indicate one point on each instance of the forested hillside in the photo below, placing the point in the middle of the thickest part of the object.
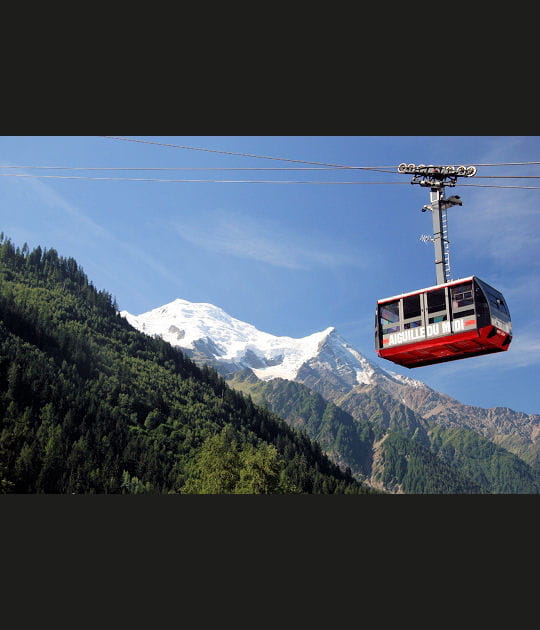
(487, 464)
(347, 442)
(90, 405)
(385, 442)
(396, 460)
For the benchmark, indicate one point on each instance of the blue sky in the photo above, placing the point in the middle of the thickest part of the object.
(295, 258)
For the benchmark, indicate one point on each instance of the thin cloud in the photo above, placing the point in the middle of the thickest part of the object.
(87, 227)
(502, 224)
(524, 352)
(43, 194)
(260, 240)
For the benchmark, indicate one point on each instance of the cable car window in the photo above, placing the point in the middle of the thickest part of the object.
(498, 307)
(411, 306)
(412, 311)
(414, 324)
(438, 318)
(502, 306)
(496, 302)
(462, 295)
(389, 314)
(469, 311)
(436, 301)
(483, 315)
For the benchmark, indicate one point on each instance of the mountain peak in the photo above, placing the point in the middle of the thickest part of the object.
(207, 330)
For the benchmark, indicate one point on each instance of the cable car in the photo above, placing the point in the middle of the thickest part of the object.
(452, 319)
(456, 320)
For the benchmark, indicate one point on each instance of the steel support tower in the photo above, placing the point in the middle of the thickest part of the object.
(436, 178)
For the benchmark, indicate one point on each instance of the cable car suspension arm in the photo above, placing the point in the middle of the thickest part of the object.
(436, 178)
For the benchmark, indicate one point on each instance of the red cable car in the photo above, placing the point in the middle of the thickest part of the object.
(453, 319)
(456, 320)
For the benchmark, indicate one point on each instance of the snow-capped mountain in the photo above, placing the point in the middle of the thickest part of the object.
(204, 329)
(209, 334)
(325, 363)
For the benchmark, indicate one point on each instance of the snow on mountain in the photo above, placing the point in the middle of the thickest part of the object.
(207, 328)
(232, 344)
(338, 362)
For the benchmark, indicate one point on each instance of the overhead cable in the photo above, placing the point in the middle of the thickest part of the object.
(220, 168)
(251, 155)
(186, 168)
(240, 181)
(223, 181)
(267, 157)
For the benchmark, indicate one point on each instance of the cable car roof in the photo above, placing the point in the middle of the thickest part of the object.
(436, 286)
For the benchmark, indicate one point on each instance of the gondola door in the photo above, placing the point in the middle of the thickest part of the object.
(436, 309)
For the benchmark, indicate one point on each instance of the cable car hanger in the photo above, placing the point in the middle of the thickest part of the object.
(437, 177)
(452, 319)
